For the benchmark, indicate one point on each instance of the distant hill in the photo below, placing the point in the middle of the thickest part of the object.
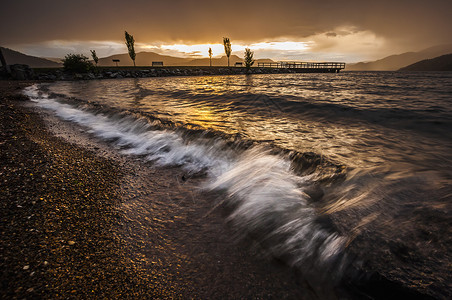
(142, 59)
(216, 61)
(13, 57)
(146, 59)
(223, 61)
(54, 59)
(441, 63)
(395, 62)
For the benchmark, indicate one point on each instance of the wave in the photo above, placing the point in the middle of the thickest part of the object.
(427, 119)
(269, 197)
(270, 203)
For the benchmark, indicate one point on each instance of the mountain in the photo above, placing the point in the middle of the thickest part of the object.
(216, 61)
(13, 57)
(223, 61)
(441, 63)
(146, 59)
(395, 62)
(54, 59)
(142, 59)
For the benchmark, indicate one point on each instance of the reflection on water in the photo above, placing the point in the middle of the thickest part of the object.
(360, 120)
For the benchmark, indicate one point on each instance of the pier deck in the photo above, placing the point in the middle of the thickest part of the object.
(307, 67)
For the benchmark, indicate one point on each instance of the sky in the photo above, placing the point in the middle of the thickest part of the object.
(303, 30)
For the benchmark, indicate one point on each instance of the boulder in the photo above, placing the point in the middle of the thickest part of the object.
(3, 72)
(21, 72)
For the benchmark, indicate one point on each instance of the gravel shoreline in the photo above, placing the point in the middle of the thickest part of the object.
(78, 225)
(57, 203)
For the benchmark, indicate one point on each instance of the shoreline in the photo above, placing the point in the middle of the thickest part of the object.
(75, 224)
(24, 72)
(89, 222)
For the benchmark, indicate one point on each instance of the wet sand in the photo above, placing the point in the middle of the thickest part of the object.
(87, 223)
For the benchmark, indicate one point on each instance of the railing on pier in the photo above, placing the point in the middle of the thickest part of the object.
(304, 65)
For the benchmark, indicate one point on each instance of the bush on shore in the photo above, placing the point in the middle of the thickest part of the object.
(77, 63)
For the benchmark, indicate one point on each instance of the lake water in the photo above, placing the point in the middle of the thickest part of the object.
(337, 174)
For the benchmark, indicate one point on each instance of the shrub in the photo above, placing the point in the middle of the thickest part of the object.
(77, 63)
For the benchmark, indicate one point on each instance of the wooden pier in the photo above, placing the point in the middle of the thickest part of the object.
(306, 67)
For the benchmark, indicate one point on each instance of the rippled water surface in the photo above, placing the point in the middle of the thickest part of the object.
(329, 170)
(361, 120)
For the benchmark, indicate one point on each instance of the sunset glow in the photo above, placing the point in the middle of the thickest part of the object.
(201, 50)
(289, 30)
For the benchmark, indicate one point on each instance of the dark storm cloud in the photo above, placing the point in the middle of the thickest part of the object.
(28, 21)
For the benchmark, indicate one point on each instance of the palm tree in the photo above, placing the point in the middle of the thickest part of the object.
(227, 47)
(210, 55)
(130, 42)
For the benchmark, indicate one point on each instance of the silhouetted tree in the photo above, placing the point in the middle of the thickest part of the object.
(249, 61)
(130, 43)
(227, 47)
(77, 63)
(94, 56)
(210, 55)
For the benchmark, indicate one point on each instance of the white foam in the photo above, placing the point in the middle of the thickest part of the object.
(269, 199)
(267, 196)
(164, 147)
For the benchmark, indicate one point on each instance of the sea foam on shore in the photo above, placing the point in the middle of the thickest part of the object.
(267, 197)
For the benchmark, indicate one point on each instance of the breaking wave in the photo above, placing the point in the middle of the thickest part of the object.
(268, 199)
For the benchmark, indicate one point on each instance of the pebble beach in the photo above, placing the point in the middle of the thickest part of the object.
(69, 229)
